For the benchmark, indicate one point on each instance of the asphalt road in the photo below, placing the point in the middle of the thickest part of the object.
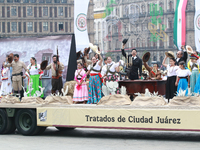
(102, 139)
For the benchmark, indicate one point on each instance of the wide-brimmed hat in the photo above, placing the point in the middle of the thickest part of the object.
(125, 41)
(146, 57)
(10, 57)
(43, 65)
(189, 49)
(94, 48)
(169, 54)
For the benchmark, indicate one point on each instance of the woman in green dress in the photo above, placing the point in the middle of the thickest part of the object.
(34, 75)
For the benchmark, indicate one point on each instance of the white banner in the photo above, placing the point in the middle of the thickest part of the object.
(197, 25)
(80, 24)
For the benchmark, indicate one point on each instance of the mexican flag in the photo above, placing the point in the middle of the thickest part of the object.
(197, 25)
(180, 23)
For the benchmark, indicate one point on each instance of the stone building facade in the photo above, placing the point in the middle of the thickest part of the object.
(40, 17)
(135, 19)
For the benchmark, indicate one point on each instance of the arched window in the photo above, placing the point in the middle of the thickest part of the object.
(171, 6)
(161, 43)
(154, 58)
(155, 43)
(148, 42)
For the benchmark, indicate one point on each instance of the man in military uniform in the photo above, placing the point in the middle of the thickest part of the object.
(56, 81)
(17, 66)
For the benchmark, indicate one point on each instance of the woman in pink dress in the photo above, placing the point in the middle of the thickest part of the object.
(80, 89)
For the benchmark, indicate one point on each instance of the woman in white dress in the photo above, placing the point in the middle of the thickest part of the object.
(6, 87)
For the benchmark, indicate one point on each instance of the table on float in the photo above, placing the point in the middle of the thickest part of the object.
(135, 86)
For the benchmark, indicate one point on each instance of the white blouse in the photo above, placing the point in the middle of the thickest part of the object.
(112, 68)
(183, 73)
(33, 70)
(171, 71)
(195, 68)
(96, 67)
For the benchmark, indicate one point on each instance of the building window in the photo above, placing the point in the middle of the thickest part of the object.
(45, 11)
(170, 24)
(51, 14)
(63, 1)
(40, 26)
(60, 11)
(24, 11)
(8, 11)
(56, 1)
(30, 26)
(51, 26)
(55, 26)
(66, 12)
(17, 1)
(3, 27)
(19, 11)
(55, 11)
(148, 42)
(9, 1)
(33, 1)
(170, 6)
(66, 26)
(48, 1)
(19, 27)
(25, 1)
(13, 11)
(41, 1)
(3, 11)
(29, 11)
(60, 26)
(69, 11)
(14, 26)
(45, 26)
(161, 43)
(35, 26)
(8, 27)
(40, 11)
(171, 41)
(24, 27)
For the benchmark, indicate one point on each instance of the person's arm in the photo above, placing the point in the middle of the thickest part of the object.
(188, 81)
(184, 57)
(123, 52)
(140, 68)
(176, 83)
(158, 76)
(147, 67)
(48, 67)
(163, 63)
(24, 66)
(8, 64)
(101, 60)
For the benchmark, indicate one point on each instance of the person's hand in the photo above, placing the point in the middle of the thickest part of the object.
(24, 77)
(182, 47)
(188, 85)
(123, 45)
(139, 77)
(79, 83)
(58, 62)
(8, 84)
(176, 83)
(40, 77)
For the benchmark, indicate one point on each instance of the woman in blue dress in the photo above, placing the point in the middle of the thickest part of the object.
(183, 78)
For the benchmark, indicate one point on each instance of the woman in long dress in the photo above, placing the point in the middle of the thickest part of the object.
(183, 78)
(34, 77)
(6, 87)
(95, 81)
(171, 78)
(80, 89)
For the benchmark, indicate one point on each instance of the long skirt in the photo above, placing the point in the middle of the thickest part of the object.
(193, 80)
(36, 83)
(183, 84)
(5, 88)
(170, 87)
(197, 86)
(94, 90)
(113, 78)
(81, 94)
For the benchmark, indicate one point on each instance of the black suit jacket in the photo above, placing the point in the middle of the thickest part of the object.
(183, 58)
(136, 64)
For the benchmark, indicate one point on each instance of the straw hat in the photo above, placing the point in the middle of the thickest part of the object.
(94, 48)
(189, 49)
(169, 54)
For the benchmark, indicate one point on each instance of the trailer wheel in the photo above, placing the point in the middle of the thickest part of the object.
(3, 121)
(10, 126)
(25, 122)
(64, 128)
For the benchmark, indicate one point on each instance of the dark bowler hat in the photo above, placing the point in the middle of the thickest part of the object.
(125, 41)
(43, 65)
(146, 57)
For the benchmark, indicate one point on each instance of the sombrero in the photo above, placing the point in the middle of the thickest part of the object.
(189, 49)
(146, 57)
(10, 57)
(169, 54)
(94, 48)
(43, 65)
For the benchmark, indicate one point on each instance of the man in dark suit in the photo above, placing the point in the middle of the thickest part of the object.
(134, 64)
(181, 56)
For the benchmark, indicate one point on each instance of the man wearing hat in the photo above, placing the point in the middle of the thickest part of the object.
(17, 66)
(181, 56)
(56, 81)
(134, 63)
(154, 72)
